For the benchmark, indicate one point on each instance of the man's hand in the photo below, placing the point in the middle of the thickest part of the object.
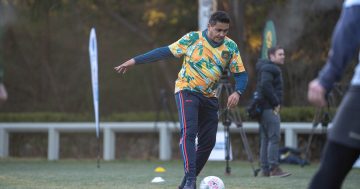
(316, 93)
(277, 110)
(122, 68)
(233, 100)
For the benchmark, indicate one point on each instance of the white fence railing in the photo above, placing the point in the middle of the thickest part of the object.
(165, 130)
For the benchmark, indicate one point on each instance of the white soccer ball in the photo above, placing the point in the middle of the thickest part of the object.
(212, 182)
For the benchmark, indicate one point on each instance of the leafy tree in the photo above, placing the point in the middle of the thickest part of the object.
(45, 48)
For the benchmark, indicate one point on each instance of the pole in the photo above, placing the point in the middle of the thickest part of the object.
(206, 8)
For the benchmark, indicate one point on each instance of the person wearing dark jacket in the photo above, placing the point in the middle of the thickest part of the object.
(270, 88)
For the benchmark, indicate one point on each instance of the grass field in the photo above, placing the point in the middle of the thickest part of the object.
(131, 174)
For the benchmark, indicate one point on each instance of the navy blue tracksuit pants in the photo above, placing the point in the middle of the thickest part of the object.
(198, 118)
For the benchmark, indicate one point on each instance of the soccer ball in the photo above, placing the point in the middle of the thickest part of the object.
(212, 182)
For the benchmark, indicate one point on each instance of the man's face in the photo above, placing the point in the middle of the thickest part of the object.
(278, 57)
(218, 31)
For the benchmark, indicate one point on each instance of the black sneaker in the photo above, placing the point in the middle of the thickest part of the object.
(190, 184)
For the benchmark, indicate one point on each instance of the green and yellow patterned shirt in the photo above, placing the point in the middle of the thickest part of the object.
(203, 63)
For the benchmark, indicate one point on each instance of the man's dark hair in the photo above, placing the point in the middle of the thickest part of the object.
(219, 16)
(273, 50)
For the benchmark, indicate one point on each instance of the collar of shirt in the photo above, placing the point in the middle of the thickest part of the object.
(211, 42)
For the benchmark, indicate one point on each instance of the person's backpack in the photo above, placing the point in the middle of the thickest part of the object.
(255, 109)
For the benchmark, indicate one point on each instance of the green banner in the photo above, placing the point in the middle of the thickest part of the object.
(269, 38)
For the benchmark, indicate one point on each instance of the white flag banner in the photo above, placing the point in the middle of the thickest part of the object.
(94, 77)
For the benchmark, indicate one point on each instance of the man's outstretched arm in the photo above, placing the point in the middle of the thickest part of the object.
(151, 56)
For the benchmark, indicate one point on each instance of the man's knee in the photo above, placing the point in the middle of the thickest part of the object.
(274, 139)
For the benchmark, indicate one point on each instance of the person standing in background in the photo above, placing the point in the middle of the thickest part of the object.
(269, 87)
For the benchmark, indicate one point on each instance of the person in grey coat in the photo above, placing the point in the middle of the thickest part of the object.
(270, 89)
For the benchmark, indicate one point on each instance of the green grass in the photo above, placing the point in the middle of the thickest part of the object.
(131, 174)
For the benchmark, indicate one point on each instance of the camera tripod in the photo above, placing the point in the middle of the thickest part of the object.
(323, 116)
(227, 116)
(162, 106)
